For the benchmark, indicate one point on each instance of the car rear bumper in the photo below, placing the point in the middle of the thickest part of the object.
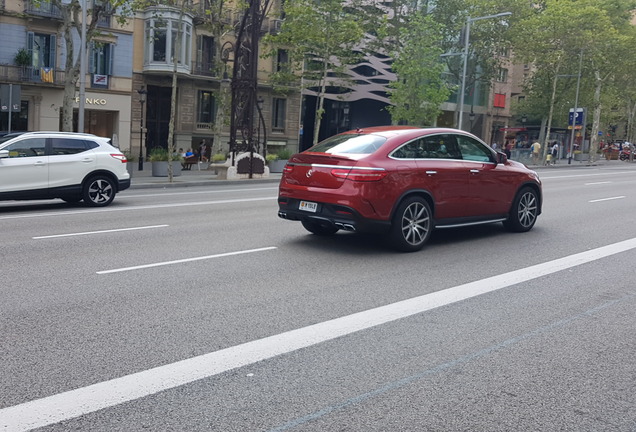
(123, 184)
(343, 217)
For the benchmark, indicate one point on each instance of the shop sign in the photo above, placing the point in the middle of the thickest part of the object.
(93, 101)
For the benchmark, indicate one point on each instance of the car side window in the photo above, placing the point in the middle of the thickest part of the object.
(443, 146)
(410, 150)
(30, 147)
(67, 146)
(473, 150)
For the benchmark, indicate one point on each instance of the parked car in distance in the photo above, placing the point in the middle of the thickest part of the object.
(405, 182)
(71, 166)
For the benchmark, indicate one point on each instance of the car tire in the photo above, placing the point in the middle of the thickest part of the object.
(524, 211)
(318, 228)
(99, 191)
(412, 225)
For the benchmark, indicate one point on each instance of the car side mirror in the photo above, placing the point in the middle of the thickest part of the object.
(4, 153)
(501, 158)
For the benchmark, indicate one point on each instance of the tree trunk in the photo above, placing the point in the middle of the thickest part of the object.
(598, 85)
(549, 126)
(173, 96)
(320, 103)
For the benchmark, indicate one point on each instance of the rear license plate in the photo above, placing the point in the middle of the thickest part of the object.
(308, 206)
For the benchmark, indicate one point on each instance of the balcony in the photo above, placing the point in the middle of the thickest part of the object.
(43, 9)
(30, 74)
(206, 69)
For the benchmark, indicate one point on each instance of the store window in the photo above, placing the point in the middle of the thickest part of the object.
(282, 60)
(161, 48)
(19, 119)
(42, 50)
(278, 114)
(101, 63)
(206, 107)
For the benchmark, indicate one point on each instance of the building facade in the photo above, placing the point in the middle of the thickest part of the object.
(32, 66)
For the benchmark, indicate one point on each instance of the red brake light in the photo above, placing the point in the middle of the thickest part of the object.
(359, 174)
(119, 157)
(287, 169)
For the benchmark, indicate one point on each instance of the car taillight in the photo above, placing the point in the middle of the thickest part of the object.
(359, 174)
(119, 157)
(287, 169)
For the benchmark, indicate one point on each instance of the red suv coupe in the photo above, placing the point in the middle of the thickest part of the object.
(405, 182)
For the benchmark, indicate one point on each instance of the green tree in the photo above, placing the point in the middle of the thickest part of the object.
(322, 38)
(419, 90)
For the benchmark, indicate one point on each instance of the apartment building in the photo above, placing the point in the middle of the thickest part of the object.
(32, 59)
(129, 79)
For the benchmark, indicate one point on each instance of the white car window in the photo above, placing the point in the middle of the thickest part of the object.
(30, 147)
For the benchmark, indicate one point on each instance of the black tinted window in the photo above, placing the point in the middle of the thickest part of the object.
(67, 146)
(30, 147)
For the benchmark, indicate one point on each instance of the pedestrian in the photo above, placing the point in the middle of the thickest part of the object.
(508, 150)
(535, 148)
(555, 152)
(203, 150)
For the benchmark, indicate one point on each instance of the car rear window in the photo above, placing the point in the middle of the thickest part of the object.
(349, 144)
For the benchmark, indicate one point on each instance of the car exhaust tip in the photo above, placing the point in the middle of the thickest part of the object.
(346, 227)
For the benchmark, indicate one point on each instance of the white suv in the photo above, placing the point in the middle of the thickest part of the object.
(70, 166)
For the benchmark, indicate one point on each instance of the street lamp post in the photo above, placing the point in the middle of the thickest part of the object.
(470, 20)
(576, 107)
(142, 100)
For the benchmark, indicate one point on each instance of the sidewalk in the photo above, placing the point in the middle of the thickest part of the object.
(145, 180)
(195, 177)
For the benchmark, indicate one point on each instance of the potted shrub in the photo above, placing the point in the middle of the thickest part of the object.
(130, 165)
(219, 157)
(159, 158)
(22, 59)
(279, 160)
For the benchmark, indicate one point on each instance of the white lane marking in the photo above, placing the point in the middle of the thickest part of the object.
(607, 199)
(216, 191)
(180, 261)
(597, 183)
(75, 403)
(98, 232)
(145, 207)
(604, 174)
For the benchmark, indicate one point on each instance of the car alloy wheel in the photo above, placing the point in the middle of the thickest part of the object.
(99, 191)
(412, 225)
(524, 211)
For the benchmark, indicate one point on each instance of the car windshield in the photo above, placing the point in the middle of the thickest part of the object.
(349, 144)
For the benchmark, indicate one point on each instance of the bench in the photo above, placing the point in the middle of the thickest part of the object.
(189, 161)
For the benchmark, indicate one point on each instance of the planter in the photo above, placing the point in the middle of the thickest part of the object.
(581, 156)
(130, 166)
(277, 165)
(160, 168)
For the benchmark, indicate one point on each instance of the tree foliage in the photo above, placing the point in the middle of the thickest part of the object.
(419, 90)
(322, 38)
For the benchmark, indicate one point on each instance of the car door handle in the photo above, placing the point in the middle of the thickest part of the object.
(474, 171)
(39, 163)
(431, 172)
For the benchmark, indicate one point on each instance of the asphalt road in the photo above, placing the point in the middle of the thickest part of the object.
(198, 309)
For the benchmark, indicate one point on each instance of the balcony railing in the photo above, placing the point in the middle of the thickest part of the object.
(43, 9)
(31, 74)
(207, 69)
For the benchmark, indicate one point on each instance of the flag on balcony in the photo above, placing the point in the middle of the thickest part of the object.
(46, 74)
